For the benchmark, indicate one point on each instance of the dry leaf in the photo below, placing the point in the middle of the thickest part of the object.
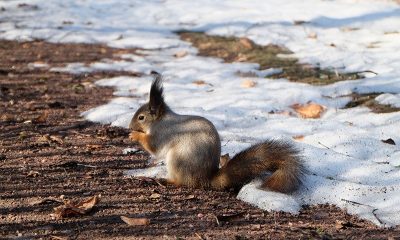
(313, 35)
(43, 139)
(223, 160)
(47, 139)
(88, 85)
(344, 224)
(33, 174)
(96, 146)
(190, 197)
(199, 82)
(7, 117)
(155, 196)
(23, 135)
(180, 54)
(227, 217)
(247, 43)
(298, 137)
(300, 22)
(241, 58)
(42, 118)
(309, 110)
(56, 139)
(53, 237)
(248, 83)
(389, 141)
(70, 209)
(135, 221)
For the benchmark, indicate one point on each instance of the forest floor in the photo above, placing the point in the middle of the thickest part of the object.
(50, 155)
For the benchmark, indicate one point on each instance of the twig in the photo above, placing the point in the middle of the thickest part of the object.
(362, 204)
(226, 143)
(159, 183)
(347, 155)
(368, 71)
(356, 203)
(376, 216)
(85, 165)
(216, 219)
(324, 145)
(198, 235)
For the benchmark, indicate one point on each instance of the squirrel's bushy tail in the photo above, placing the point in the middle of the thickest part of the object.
(279, 157)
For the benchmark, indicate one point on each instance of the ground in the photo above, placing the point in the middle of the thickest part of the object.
(48, 154)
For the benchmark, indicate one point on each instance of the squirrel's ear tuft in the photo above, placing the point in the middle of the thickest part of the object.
(156, 103)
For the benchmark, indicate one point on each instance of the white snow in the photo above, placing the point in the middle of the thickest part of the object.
(390, 99)
(349, 164)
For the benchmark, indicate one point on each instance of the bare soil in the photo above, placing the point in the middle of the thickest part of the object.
(49, 154)
(234, 49)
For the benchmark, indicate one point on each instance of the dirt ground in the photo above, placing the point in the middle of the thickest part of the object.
(49, 154)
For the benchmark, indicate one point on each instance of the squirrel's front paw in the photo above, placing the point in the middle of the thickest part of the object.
(135, 136)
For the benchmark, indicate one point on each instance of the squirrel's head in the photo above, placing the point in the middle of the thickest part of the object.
(152, 111)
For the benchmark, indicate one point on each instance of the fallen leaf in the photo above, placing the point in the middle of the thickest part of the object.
(58, 237)
(223, 160)
(199, 82)
(42, 118)
(344, 224)
(23, 135)
(33, 174)
(7, 117)
(190, 197)
(247, 43)
(181, 54)
(241, 58)
(227, 217)
(135, 221)
(88, 85)
(309, 110)
(155, 196)
(56, 139)
(298, 137)
(313, 35)
(389, 141)
(205, 45)
(94, 146)
(78, 88)
(67, 22)
(70, 209)
(48, 139)
(248, 83)
(300, 22)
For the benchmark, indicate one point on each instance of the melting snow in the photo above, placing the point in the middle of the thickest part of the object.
(349, 164)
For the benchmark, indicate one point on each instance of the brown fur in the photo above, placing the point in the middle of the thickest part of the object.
(278, 157)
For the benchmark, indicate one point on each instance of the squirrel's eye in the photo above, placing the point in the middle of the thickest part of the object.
(141, 117)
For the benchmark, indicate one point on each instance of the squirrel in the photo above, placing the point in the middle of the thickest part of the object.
(191, 147)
